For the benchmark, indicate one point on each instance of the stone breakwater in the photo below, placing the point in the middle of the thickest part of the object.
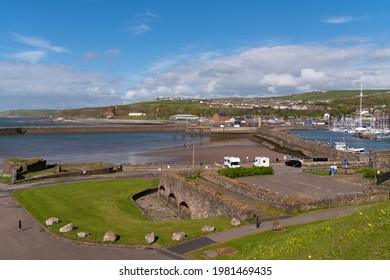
(86, 129)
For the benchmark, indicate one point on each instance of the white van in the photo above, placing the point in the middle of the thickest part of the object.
(261, 161)
(231, 162)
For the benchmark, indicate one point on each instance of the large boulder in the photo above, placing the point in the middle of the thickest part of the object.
(208, 228)
(82, 234)
(150, 238)
(51, 221)
(211, 254)
(110, 236)
(179, 236)
(67, 228)
(235, 222)
(276, 226)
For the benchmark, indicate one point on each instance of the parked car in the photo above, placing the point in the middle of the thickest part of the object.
(294, 163)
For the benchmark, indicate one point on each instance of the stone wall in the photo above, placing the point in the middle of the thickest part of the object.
(197, 199)
(64, 174)
(288, 143)
(380, 160)
(293, 204)
(23, 165)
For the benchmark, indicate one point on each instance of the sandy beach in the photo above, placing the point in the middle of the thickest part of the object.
(215, 151)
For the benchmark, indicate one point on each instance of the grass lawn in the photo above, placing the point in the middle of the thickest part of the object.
(359, 236)
(99, 206)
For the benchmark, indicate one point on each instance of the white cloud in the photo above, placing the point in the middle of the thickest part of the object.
(38, 43)
(142, 23)
(31, 56)
(140, 28)
(53, 86)
(90, 55)
(382, 54)
(112, 52)
(149, 14)
(279, 80)
(95, 54)
(274, 70)
(344, 19)
(337, 20)
(39, 48)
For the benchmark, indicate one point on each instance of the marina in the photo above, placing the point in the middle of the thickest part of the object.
(342, 140)
(367, 125)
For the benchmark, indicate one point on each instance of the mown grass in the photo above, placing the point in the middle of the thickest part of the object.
(99, 206)
(360, 235)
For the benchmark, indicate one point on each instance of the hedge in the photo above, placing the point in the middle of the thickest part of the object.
(245, 172)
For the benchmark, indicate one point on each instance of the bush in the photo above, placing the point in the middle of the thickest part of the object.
(5, 179)
(368, 172)
(245, 172)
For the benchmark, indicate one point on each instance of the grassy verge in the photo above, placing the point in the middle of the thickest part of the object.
(5, 179)
(99, 206)
(361, 235)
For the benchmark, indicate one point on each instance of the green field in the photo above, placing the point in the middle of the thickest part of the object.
(99, 206)
(333, 94)
(362, 235)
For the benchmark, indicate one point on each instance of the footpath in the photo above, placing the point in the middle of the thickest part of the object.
(320, 215)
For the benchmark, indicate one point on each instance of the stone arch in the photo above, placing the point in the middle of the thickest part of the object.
(161, 191)
(172, 200)
(184, 210)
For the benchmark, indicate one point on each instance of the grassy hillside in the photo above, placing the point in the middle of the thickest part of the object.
(337, 102)
(359, 236)
(334, 94)
(29, 113)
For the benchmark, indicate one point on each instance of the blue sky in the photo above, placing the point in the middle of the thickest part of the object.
(59, 54)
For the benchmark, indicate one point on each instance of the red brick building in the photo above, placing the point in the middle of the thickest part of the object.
(220, 117)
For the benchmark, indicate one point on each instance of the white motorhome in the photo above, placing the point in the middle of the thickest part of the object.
(261, 161)
(231, 162)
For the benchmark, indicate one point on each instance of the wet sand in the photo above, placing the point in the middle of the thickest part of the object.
(215, 151)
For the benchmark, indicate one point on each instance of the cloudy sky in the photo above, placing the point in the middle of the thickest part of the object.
(58, 54)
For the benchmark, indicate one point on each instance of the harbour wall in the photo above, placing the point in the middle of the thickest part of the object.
(86, 129)
(288, 143)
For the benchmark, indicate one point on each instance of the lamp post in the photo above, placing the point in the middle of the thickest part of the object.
(193, 151)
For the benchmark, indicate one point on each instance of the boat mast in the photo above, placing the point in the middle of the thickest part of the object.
(361, 108)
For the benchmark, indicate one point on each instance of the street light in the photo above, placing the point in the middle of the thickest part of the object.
(193, 151)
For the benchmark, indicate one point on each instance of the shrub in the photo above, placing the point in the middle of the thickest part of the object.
(368, 172)
(245, 172)
(5, 179)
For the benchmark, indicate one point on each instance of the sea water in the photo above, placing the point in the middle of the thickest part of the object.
(116, 148)
(351, 140)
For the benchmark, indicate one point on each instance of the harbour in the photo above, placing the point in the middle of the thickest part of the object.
(330, 137)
